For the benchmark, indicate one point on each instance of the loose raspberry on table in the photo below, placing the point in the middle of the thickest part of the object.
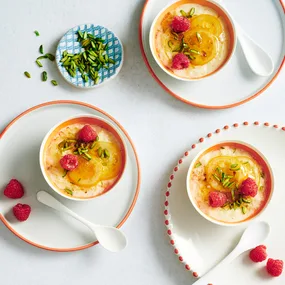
(258, 254)
(180, 61)
(180, 24)
(87, 134)
(217, 199)
(14, 189)
(22, 212)
(69, 162)
(248, 187)
(274, 267)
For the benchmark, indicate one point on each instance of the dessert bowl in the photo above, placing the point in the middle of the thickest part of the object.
(83, 157)
(89, 55)
(230, 183)
(192, 39)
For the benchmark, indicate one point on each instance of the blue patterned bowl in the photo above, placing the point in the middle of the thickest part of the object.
(70, 44)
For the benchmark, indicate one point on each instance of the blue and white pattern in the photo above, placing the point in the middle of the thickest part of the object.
(71, 45)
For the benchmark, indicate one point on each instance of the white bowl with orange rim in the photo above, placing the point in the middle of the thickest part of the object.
(192, 39)
(83, 169)
(230, 183)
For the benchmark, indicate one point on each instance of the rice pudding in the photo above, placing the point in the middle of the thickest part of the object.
(230, 183)
(83, 157)
(192, 39)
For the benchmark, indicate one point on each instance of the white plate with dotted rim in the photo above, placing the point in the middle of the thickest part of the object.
(45, 227)
(70, 44)
(200, 244)
(241, 84)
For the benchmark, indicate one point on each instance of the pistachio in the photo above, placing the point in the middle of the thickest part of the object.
(198, 164)
(216, 177)
(246, 200)
(99, 151)
(54, 82)
(191, 13)
(68, 191)
(88, 156)
(199, 37)
(183, 13)
(37, 33)
(41, 49)
(27, 74)
(194, 51)
(106, 153)
(233, 194)
(244, 210)
(93, 144)
(44, 76)
(39, 63)
(64, 174)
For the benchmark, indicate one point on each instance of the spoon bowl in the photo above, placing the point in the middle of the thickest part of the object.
(109, 237)
(257, 58)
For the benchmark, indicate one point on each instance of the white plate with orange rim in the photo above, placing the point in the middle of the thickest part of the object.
(241, 84)
(45, 228)
(199, 243)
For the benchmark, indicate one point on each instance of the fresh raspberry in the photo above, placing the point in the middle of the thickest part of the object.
(217, 199)
(87, 134)
(14, 189)
(22, 212)
(248, 187)
(69, 162)
(180, 61)
(258, 254)
(274, 267)
(180, 24)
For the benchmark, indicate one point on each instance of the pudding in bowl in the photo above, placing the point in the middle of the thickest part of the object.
(192, 39)
(83, 157)
(230, 183)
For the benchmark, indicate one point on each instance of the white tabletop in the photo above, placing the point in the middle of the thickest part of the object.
(161, 127)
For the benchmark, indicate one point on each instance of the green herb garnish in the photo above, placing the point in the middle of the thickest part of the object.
(27, 74)
(198, 164)
(41, 49)
(39, 63)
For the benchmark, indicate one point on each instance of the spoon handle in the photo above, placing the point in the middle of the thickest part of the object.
(50, 201)
(228, 259)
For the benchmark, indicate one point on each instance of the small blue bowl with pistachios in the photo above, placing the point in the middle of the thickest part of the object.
(89, 55)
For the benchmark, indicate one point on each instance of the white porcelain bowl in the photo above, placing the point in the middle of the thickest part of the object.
(201, 2)
(111, 128)
(252, 151)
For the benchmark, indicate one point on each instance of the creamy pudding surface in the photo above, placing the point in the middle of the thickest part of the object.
(238, 178)
(100, 162)
(207, 43)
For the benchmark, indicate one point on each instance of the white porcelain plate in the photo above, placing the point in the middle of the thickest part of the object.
(19, 154)
(200, 244)
(263, 20)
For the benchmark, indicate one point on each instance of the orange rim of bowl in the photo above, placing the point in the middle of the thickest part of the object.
(151, 71)
(136, 157)
(261, 161)
(85, 119)
(228, 23)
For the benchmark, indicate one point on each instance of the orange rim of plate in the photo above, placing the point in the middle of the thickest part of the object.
(187, 101)
(137, 162)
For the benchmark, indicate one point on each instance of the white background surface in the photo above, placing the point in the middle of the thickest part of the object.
(161, 128)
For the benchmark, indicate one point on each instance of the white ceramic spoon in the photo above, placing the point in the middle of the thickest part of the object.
(259, 60)
(110, 238)
(253, 236)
